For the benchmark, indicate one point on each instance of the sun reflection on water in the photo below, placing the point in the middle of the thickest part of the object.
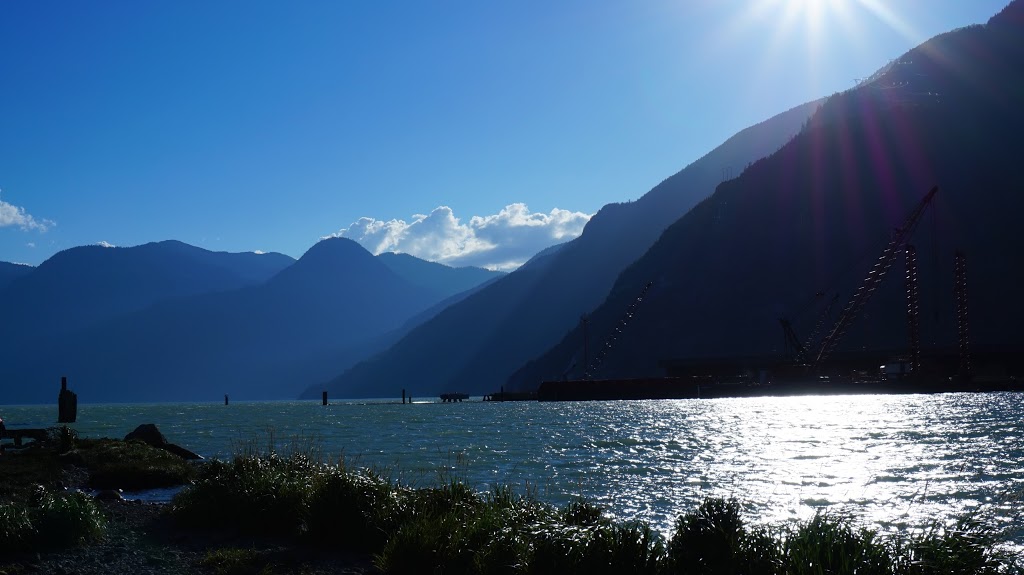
(893, 462)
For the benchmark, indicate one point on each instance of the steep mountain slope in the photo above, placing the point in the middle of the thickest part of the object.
(474, 345)
(89, 284)
(10, 272)
(444, 280)
(263, 341)
(811, 218)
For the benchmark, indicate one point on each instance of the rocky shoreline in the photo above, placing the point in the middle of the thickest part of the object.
(141, 538)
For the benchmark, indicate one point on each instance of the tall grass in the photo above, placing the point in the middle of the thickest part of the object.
(449, 528)
(50, 521)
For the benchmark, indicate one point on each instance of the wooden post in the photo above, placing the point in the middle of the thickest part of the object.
(225, 399)
(325, 398)
(403, 397)
(67, 403)
(503, 393)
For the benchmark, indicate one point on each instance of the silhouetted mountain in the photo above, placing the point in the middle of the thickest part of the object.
(10, 272)
(84, 285)
(811, 218)
(333, 306)
(475, 345)
(444, 280)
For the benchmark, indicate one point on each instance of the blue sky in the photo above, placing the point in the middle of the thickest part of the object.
(249, 125)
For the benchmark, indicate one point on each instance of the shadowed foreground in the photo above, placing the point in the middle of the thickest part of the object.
(267, 513)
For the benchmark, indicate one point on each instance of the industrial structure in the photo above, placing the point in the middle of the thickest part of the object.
(812, 366)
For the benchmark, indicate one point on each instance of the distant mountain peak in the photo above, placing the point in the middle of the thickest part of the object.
(342, 249)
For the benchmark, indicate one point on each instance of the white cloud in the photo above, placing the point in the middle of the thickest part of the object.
(104, 244)
(31, 245)
(12, 215)
(501, 241)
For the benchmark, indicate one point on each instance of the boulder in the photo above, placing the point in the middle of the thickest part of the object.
(181, 452)
(149, 434)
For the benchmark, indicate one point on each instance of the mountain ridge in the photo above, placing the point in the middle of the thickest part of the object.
(776, 238)
(334, 305)
(476, 344)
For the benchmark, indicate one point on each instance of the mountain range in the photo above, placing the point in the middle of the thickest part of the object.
(169, 321)
(476, 345)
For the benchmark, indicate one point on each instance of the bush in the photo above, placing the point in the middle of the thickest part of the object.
(63, 438)
(710, 540)
(452, 529)
(828, 544)
(968, 548)
(16, 530)
(50, 521)
(259, 495)
(67, 520)
(354, 510)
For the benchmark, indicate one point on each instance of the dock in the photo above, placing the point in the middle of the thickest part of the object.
(696, 388)
(19, 435)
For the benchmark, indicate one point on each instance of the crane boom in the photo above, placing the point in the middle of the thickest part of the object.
(874, 278)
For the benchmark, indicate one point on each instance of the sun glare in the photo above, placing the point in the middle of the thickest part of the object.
(804, 34)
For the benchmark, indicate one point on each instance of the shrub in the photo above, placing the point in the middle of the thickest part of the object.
(967, 548)
(829, 544)
(68, 519)
(63, 438)
(709, 540)
(354, 510)
(16, 530)
(452, 529)
(259, 495)
(50, 521)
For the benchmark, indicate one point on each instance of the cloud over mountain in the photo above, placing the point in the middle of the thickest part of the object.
(502, 241)
(11, 215)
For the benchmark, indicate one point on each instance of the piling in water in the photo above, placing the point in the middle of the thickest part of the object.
(225, 399)
(67, 403)
(325, 398)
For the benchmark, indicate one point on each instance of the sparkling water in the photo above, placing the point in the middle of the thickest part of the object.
(895, 462)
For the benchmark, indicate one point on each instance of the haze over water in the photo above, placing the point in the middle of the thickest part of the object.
(894, 462)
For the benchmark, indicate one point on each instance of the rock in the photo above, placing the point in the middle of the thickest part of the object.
(149, 434)
(182, 452)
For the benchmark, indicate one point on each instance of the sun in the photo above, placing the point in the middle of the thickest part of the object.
(807, 16)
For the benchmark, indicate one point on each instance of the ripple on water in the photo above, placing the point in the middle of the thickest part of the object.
(898, 462)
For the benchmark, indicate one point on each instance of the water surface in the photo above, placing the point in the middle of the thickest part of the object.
(895, 462)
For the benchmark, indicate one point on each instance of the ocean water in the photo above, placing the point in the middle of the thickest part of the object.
(896, 463)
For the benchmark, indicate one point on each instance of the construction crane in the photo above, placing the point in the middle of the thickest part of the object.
(820, 325)
(792, 342)
(872, 281)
